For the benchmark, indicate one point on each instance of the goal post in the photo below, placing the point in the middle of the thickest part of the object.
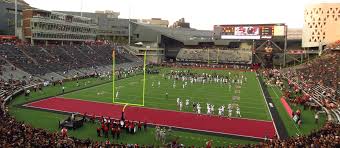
(114, 100)
(144, 77)
(113, 74)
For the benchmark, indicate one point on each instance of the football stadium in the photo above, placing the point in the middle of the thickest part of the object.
(95, 79)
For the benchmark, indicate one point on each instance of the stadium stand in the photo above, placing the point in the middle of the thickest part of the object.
(222, 56)
(317, 78)
(62, 61)
(320, 79)
(335, 45)
(16, 57)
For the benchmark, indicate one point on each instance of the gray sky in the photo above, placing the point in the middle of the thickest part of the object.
(202, 14)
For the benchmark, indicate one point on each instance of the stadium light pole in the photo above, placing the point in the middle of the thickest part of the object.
(129, 25)
(15, 17)
(285, 46)
(81, 8)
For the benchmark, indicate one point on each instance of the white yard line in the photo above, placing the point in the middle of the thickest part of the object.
(264, 97)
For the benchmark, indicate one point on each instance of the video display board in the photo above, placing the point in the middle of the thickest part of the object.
(247, 31)
(266, 31)
(279, 30)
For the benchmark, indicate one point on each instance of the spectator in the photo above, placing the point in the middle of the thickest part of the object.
(139, 126)
(209, 144)
(106, 132)
(118, 132)
(145, 126)
(64, 132)
(98, 132)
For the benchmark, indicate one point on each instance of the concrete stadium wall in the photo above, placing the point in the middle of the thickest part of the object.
(141, 33)
(7, 18)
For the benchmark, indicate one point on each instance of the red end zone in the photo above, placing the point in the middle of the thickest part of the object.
(182, 120)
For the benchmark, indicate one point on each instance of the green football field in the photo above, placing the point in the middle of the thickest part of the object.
(251, 103)
(130, 90)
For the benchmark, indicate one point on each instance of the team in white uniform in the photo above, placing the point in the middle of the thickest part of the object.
(187, 103)
(198, 108)
(203, 79)
(238, 112)
(180, 105)
(178, 99)
(210, 108)
(117, 93)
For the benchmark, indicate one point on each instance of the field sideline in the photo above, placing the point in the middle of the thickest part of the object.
(251, 128)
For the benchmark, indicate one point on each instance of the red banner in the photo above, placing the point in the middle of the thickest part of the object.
(8, 37)
(287, 107)
(296, 52)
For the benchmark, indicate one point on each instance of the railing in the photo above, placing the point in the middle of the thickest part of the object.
(10, 97)
(316, 97)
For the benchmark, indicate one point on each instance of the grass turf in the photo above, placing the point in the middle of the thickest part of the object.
(252, 104)
(307, 115)
(49, 120)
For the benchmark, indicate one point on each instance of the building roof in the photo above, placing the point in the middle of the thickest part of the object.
(185, 35)
(22, 3)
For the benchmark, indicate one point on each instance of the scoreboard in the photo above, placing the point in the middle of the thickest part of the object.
(255, 31)
(228, 30)
(267, 32)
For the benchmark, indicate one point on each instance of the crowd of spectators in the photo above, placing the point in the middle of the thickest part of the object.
(18, 134)
(320, 77)
(15, 56)
(323, 71)
(221, 56)
(327, 136)
(113, 127)
(300, 94)
(335, 45)
(205, 66)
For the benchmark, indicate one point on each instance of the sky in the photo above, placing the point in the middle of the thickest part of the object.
(201, 14)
